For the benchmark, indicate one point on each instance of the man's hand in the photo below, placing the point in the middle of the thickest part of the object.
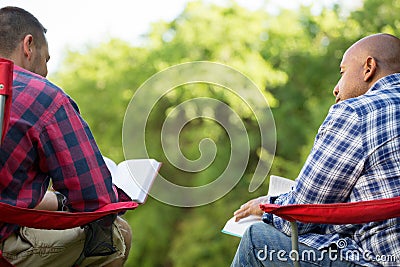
(252, 207)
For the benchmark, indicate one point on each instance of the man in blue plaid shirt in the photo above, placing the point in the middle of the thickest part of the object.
(355, 157)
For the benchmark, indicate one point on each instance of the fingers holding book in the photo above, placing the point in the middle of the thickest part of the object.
(251, 207)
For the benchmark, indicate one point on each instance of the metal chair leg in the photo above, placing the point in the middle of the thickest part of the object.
(295, 243)
(2, 106)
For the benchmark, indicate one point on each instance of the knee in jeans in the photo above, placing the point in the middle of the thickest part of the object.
(253, 230)
(257, 227)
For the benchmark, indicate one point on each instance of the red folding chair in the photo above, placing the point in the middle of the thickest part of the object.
(41, 219)
(6, 78)
(339, 213)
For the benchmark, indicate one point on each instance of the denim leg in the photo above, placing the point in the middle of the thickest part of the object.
(263, 245)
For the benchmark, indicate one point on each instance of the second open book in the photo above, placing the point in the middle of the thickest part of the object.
(135, 176)
(277, 185)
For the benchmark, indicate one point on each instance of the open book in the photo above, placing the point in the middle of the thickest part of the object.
(277, 185)
(134, 176)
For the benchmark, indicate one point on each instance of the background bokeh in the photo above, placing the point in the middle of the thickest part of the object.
(291, 53)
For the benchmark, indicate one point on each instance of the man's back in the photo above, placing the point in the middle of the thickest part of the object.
(368, 168)
(47, 138)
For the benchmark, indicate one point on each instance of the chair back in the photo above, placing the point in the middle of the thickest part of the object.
(6, 80)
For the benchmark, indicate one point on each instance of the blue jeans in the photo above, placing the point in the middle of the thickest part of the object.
(263, 245)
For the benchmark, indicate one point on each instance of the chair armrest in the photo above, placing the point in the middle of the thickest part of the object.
(338, 213)
(44, 219)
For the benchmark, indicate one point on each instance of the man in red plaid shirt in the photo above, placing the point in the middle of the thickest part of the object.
(48, 141)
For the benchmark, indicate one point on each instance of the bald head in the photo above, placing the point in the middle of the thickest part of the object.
(383, 48)
(365, 62)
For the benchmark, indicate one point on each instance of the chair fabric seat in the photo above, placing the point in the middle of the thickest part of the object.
(338, 213)
(44, 219)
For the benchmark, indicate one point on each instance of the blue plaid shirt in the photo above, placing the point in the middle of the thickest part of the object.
(355, 157)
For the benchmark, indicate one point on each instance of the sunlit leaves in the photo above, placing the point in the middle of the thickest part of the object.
(291, 55)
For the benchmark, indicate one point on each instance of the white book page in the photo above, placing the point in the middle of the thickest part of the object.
(238, 228)
(134, 176)
(277, 185)
(112, 167)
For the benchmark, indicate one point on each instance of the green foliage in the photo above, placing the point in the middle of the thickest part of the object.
(102, 80)
(293, 56)
(378, 16)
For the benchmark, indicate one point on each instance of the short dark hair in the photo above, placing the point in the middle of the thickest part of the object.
(15, 24)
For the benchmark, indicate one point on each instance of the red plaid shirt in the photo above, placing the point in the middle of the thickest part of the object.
(48, 140)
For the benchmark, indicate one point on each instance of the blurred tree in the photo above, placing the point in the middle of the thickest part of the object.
(377, 16)
(102, 79)
(310, 56)
(292, 55)
(213, 33)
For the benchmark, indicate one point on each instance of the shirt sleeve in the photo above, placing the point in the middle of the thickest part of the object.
(332, 167)
(70, 156)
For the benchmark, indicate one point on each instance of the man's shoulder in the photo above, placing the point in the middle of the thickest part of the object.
(386, 91)
(375, 100)
(27, 78)
(34, 94)
(33, 85)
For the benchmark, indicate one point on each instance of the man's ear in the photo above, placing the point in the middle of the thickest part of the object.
(369, 68)
(28, 46)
